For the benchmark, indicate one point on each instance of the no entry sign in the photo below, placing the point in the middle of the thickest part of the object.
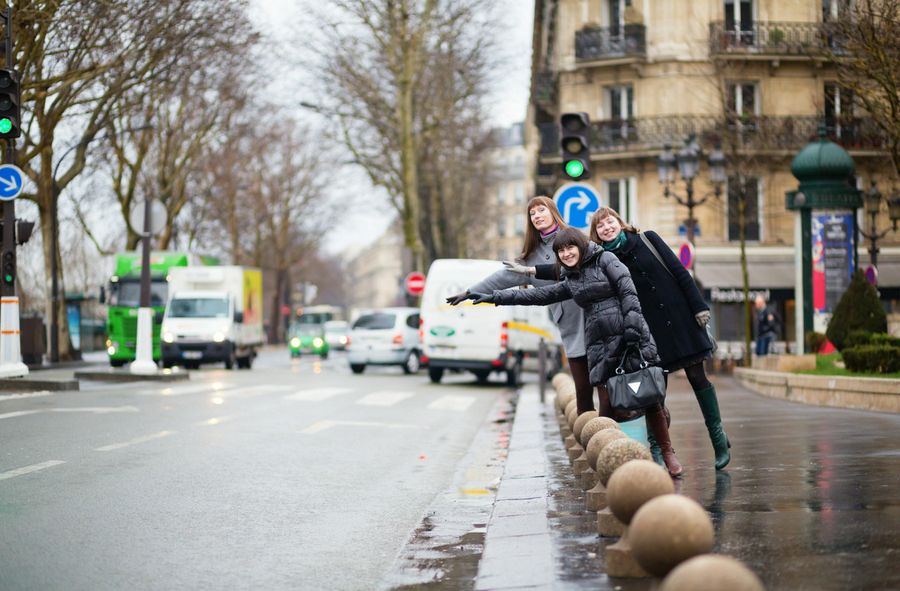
(415, 283)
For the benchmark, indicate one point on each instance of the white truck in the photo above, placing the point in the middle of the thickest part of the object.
(481, 338)
(214, 314)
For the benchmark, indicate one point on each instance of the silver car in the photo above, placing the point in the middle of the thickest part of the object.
(388, 336)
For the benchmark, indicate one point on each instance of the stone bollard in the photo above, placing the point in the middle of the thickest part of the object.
(594, 426)
(711, 572)
(560, 379)
(668, 530)
(634, 483)
(614, 455)
(595, 498)
(566, 428)
(580, 463)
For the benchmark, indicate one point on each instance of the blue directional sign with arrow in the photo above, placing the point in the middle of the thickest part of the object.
(10, 182)
(577, 202)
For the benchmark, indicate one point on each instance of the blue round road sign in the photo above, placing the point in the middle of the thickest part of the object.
(576, 203)
(10, 182)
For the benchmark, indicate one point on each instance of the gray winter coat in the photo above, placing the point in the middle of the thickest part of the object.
(603, 288)
(567, 315)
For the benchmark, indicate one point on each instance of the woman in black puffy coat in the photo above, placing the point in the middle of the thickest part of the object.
(600, 284)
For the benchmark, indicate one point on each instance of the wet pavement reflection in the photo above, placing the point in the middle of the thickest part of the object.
(809, 500)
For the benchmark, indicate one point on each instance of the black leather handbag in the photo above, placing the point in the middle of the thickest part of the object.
(637, 390)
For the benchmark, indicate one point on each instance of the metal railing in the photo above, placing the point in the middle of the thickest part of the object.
(773, 38)
(752, 132)
(599, 43)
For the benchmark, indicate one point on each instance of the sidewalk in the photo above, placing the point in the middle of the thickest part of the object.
(808, 502)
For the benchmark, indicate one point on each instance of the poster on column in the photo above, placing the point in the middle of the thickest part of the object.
(833, 248)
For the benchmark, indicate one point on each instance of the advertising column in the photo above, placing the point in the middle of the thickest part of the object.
(833, 248)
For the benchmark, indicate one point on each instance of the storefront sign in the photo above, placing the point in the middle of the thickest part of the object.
(736, 295)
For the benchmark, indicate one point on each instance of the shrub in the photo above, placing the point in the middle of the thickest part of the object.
(815, 341)
(883, 338)
(872, 358)
(857, 338)
(858, 309)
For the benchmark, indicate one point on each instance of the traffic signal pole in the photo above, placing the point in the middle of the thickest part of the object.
(10, 338)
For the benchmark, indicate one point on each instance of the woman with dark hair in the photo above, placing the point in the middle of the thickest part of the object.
(601, 285)
(673, 307)
(545, 222)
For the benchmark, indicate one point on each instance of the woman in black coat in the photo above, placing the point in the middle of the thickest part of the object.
(598, 282)
(674, 309)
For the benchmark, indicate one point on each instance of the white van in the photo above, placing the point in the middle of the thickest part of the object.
(480, 338)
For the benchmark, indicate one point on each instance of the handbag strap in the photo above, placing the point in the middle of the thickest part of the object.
(621, 369)
(655, 252)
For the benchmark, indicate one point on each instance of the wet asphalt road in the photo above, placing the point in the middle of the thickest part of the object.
(295, 475)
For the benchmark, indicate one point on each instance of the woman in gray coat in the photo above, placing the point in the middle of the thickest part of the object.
(601, 285)
(545, 222)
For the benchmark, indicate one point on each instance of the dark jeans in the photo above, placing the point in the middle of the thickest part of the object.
(762, 344)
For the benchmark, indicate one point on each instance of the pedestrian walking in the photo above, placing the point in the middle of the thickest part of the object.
(768, 326)
(544, 222)
(601, 285)
(673, 308)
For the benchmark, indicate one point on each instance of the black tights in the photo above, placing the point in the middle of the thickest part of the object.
(584, 392)
(696, 375)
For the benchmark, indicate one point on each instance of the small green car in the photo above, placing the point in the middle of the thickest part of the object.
(308, 339)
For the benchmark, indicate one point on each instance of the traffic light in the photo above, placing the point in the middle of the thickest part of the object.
(9, 104)
(575, 143)
(9, 268)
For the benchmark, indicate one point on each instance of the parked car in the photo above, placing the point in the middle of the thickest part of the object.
(388, 336)
(307, 338)
(337, 334)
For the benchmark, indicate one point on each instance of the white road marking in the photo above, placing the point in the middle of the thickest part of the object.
(326, 424)
(9, 397)
(186, 389)
(383, 398)
(135, 441)
(18, 413)
(29, 469)
(317, 394)
(99, 410)
(214, 421)
(250, 391)
(450, 402)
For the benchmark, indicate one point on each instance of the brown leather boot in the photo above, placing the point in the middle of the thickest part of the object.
(656, 423)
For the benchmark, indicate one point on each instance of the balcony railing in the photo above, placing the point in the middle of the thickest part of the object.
(545, 89)
(604, 43)
(761, 133)
(773, 39)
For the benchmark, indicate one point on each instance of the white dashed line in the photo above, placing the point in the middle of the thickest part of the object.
(384, 398)
(317, 394)
(29, 469)
(13, 397)
(135, 441)
(18, 413)
(455, 403)
(322, 425)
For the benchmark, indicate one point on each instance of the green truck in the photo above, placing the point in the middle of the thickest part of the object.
(124, 299)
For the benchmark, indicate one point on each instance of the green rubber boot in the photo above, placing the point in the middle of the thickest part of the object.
(709, 406)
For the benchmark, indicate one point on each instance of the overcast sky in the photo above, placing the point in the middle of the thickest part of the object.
(361, 224)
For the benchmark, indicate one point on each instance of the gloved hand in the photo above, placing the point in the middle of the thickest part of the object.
(702, 318)
(481, 298)
(632, 338)
(458, 298)
(517, 268)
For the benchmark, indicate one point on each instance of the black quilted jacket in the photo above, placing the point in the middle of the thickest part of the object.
(612, 312)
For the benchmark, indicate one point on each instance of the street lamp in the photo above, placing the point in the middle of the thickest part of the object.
(688, 163)
(872, 206)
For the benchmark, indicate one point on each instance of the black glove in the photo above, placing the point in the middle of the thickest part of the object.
(458, 298)
(482, 298)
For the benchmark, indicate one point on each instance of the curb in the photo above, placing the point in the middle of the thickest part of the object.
(518, 550)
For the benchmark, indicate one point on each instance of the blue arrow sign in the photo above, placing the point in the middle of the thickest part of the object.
(10, 182)
(577, 202)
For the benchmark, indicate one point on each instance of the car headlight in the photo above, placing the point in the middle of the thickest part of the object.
(343, 340)
(295, 342)
(111, 350)
(317, 342)
(218, 337)
(168, 337)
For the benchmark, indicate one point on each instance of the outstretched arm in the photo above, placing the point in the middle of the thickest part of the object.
(540, 296)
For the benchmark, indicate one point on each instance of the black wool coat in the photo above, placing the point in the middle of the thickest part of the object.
(669, 298)
(612, 311)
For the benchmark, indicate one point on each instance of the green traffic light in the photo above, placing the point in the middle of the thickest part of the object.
(5, 125)
(574, 168)
(8, 278)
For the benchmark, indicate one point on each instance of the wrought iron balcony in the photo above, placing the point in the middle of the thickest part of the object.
(545, 89)
(770, 39)
(759, 133)
(606, 43)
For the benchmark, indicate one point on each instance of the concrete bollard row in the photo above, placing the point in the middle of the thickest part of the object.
(661, 534)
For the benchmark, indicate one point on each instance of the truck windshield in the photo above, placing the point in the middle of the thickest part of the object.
(128, 293)
(198, 308)
(377, 321)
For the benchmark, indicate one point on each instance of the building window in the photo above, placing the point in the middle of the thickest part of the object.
(619, 106)
(620, 195)
(742, 107)
(520, 194)
(839, 111)
(739, 22)
(832, 10)
(615, 16)
(750, 194)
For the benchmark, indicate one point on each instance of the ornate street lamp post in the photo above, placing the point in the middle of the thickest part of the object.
(688, 163)
(872, 206)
